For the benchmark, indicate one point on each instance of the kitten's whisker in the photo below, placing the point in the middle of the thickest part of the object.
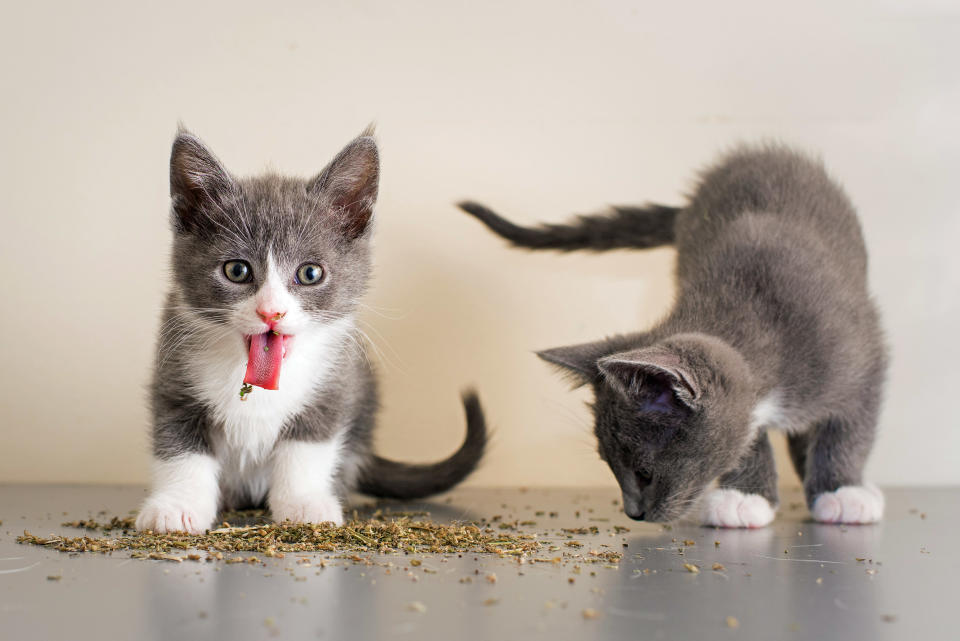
(375, 310)
(384, 340)
(362, 339)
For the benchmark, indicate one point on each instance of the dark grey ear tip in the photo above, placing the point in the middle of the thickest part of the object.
(365, 142)
(365, 147)
(188, 143)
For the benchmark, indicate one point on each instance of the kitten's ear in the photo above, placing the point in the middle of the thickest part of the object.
(349, 184)
(197, 182)
(578, 361)
(653, 376)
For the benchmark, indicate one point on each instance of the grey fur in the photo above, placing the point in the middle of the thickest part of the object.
(217, 217)
(772, 299)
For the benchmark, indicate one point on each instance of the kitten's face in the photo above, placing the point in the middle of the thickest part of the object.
(670, 419)
(271, 257)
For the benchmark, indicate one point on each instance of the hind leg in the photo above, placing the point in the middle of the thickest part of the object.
(833, 459)
(747, 496)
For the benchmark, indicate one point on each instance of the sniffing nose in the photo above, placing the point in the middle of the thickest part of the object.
(633, 508)
(270, 315)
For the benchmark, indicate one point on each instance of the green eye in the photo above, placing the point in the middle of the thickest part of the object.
(309, 274)
(238, 271)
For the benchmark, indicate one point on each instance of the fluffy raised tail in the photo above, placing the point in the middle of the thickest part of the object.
(390, 479)
(622, 227)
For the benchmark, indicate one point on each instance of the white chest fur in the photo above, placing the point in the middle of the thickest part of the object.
(246, 431)
(768, 412)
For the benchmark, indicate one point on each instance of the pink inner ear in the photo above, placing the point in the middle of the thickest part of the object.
(663, 403)
(350, 184)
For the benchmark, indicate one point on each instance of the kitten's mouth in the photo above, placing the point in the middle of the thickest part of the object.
(266, 354)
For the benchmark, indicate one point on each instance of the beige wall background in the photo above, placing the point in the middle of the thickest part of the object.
(541, 109)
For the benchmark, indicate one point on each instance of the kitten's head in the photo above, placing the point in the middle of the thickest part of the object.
(271, 258)
(670, 417)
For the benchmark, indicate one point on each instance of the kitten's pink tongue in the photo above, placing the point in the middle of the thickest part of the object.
(263, 364)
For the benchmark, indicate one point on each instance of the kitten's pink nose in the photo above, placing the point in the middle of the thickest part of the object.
(270, 315)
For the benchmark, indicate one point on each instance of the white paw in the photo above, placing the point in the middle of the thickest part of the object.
(732, 508)
(850, 504)
(165, 514)
(312, 509)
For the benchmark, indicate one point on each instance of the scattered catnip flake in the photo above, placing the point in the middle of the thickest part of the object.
(401, 535)
(266, 348)
(54, 577)
(717, 567)
(590, 613)
(733, 623)
(245, 389)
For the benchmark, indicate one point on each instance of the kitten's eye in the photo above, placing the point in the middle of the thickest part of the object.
(238, 271)
(309, 274)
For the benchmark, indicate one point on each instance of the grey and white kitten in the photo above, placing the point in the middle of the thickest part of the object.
(773, 327)
(267, 276)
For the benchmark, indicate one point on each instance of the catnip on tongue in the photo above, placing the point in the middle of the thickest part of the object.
(263, 363)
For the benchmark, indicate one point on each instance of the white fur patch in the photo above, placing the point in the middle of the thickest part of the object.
(301, 487)
(184, 497)
(732, 508)
(852, 504)
(768, 412)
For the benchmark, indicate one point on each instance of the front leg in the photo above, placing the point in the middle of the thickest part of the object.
(747, 496)
(833, 482)
(184, 495)
(185, 492)
(303, 481)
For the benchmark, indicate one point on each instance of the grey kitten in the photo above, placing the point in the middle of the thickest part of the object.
(267, 276)
(773, 327)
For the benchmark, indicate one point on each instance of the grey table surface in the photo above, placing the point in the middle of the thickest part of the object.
(793, 580)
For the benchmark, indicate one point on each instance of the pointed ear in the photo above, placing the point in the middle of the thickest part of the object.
(350, 182)
(654, 376)
(577, 361)
(197, 181)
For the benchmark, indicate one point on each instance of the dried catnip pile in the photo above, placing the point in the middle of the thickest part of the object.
(378, 535)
